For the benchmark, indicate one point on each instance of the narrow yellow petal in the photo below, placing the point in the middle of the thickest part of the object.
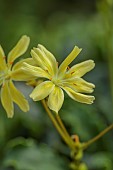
(51, 58)
(2, 59)
(6, 100)
(18, 97)
(38, 60)
(18, 73)
(19, 49)
(82, 98)
(19, 64)
(80, 69)
(42, 90)
(43, 61)
(35, 71)
(79, 85)
(68, 60)
(1, 52)
(56, 99)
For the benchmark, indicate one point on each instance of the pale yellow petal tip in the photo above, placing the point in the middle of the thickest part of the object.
(10, 115)
(93, 85)
(92, 100)
(27, 108)
(92, 62)
(25, 37)
(40, 46)
(77, 48)
(34, 48)
(32, 52)
(32, 97)
(54, 110)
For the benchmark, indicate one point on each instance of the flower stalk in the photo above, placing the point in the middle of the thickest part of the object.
(64, 129)
(64, 136)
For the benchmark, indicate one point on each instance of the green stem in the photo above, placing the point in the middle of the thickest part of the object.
(64, 137)
(86, 144)
(64, 129)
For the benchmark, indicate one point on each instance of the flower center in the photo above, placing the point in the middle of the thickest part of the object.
(56, 80)
(4, 75)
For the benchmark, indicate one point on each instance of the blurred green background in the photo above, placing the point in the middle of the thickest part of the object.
(29, 141)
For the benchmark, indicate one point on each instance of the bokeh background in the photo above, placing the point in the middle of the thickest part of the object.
(29, 141)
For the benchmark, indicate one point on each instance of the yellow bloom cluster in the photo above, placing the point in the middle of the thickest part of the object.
(57, 79)
(10, 72)
(43, 65)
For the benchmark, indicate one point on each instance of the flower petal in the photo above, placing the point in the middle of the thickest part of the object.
(42, 60)
(38, 60)
(68, 60)
(19, 49)
(18, 97)
(80, 69)
(51, 58)
(56, 99)
(35, 71)
(6, 100)
(19, 64)
(18, 73)
(42, 90)
(78, 96)
(2, 59)
(79, 85)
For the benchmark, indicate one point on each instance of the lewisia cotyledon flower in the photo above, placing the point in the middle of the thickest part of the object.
(57, 79)
(9, 72)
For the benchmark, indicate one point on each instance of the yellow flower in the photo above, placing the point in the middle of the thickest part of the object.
(57, 79)
(9, 72)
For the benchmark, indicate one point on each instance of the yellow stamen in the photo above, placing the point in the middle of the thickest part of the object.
(11, 62)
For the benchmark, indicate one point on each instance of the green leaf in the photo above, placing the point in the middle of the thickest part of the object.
(24, 154)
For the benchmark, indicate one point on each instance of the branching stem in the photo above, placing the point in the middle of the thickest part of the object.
(86, 144)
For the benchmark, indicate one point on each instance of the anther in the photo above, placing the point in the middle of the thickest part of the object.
(72, 72)
(4, 57)
(46, 71)
(11, 62)
(74, 84)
